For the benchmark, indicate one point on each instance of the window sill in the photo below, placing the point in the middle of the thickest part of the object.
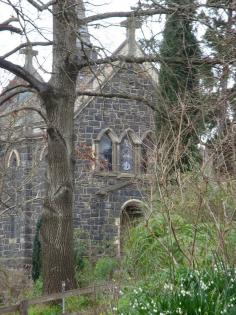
(117, 174)
(105, 174)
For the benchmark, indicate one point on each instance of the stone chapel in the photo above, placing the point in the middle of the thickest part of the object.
(114, 139)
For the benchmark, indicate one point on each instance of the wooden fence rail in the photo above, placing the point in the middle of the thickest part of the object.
(22, 307)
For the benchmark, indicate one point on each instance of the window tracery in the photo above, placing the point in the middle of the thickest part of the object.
(126, 155)
(13, 159)
(105, 153)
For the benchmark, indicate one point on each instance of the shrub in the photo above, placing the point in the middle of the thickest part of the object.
(206, 292)
(104, 268)
(154, 248)
(38, 287)
(13, 285)
(85, 274)
(45, 310)
(80, 247)
(77, 303)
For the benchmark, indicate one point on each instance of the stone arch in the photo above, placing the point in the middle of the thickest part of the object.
(110, 132)
(131, 135)
(13, 158)
(129, 147)
(148, 133)
(43, 153)
(106, 150)
(131, 213)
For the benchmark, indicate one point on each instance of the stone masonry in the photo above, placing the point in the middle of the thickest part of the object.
(101, 193)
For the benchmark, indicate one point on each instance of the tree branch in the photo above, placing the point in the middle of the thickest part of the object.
(11, 95)
(9, 89)
(43, 6)
(24, 74)
(16, 111)
(26, 45)
(156, 58)
(107, 15)
(10, 20)
(13, 29)
(6, 27)
(118, 95)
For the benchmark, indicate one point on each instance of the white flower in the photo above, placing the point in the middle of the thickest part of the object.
(168, 286)
(203, 285)
(179, 310)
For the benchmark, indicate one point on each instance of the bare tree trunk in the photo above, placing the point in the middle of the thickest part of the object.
(57, 230)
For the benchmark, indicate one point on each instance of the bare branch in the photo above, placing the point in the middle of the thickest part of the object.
(26, 108)
(24, 74)
(107, 15)
(118, 95)
(9, 89)
(41, 7)
(10, 28)
(10, 20)
(11, 95)
(26, 45)
(149, 12)
(5, 26)
(157, 58)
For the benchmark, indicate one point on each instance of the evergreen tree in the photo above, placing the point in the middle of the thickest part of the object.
(179, 41)
(37, 255)
(179, 84)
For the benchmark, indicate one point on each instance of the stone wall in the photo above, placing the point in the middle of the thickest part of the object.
(23, 182)
(99, 195)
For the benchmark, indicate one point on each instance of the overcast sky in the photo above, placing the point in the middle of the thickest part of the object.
(110, 35)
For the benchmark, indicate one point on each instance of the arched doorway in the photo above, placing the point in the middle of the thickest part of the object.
(131, 215)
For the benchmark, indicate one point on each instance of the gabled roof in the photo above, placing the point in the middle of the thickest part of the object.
(105, 73)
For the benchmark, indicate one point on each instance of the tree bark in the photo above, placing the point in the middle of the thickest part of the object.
(57, 230)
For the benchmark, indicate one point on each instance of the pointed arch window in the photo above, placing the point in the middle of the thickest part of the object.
(44, 153)
(147, 154)
(105, 153)
(13, 159)
(126, 155)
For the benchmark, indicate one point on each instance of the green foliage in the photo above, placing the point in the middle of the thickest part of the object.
(187, 228)
(38, 287)
(209, 292)
(77, 303)
(84, 268)
(179, 107)
(45, 310)
(36, 291)
(36, 256)
(197, 200)
(79, 251)
(176, 79)
(88, 272)
(219, 36)
(154, 248)
(85, 275)
(182, 260)
(105, 267)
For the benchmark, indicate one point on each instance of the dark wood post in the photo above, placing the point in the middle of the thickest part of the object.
(24, 307)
